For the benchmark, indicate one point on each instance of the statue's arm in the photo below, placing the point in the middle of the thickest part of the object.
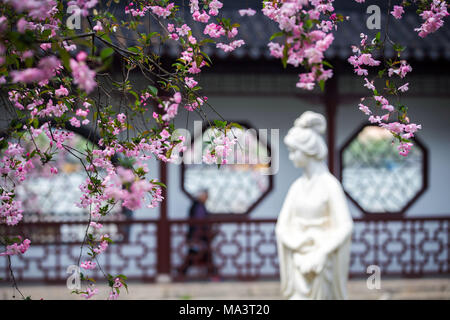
(292, 241)
(341, 219)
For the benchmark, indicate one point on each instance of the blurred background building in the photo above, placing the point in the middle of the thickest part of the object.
(401, 206)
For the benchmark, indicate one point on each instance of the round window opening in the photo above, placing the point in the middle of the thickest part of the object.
(236, 187)
(376, 178)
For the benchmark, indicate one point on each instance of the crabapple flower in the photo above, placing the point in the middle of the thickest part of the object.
(397, 12)
(15, 248)
(190, 82)
(61, 92)
(88, 265)
(83, 76)
(365, 109)
(98, 26)
(369, 85)
(96, 225)
(404, 87)
(230, 47)
(433, 18)
(247, 12)
(90, 292)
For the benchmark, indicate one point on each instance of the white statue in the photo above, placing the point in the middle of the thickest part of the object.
(314, 226)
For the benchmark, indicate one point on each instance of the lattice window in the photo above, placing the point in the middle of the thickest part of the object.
(236, 187)
(46, 196)
(376, 178)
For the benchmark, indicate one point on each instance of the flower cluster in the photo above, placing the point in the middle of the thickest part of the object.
(433, 18)
(16, 247)
(361, 61)
(305, 26)
(82, 75)
(222, 144)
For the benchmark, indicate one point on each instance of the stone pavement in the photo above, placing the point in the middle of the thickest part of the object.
(430, 288)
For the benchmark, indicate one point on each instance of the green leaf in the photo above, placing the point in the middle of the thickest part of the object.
(309, 24)
(220, 124)
(153, 90)
(106, 52)
(322, 85)
(326, 63)
(134, 49)
(276, 34)
(159, 184)
(236, 125)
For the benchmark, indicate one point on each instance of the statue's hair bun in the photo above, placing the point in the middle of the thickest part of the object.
(311, 120)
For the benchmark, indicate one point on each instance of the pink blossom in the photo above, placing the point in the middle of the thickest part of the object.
(89, 293)
(374, 119)
(412, 127)
(397, 12)
(162, 12)
(364, 109)
(404, 148)
(22, 25)
(367, 59)
(276, 50)
(190, 82)
(82, 113)
(184, 30)
(214, 7)
(96, 225)
(247, 12)
(121, 118)
(214, 30)
(230, 47)
(388, 107)
(83, 76)
(16, 248)
(98, 27)
(88, 265)
(62, 91)
(28, 75)
(192, 40)
(75, 122)
(200, 17)
(369, 85)
(433, 18)
(177, 97)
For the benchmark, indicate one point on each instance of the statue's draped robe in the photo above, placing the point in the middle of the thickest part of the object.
(314, 219)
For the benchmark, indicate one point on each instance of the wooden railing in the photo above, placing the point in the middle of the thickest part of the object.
(241, 249)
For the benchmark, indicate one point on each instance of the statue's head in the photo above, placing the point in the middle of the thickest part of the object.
(304, 140)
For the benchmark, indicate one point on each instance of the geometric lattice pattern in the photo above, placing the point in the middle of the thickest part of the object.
(231, 189)
(376, 177)
(134, 255)
(245, 250)
(240, 250)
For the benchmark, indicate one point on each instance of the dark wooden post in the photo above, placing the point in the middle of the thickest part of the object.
(331, 97)
(163, 232)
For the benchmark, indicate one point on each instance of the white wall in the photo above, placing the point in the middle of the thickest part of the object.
(280, 112)
(262, 113)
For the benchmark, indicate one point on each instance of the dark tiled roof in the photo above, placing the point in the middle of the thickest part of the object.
(256, 31)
